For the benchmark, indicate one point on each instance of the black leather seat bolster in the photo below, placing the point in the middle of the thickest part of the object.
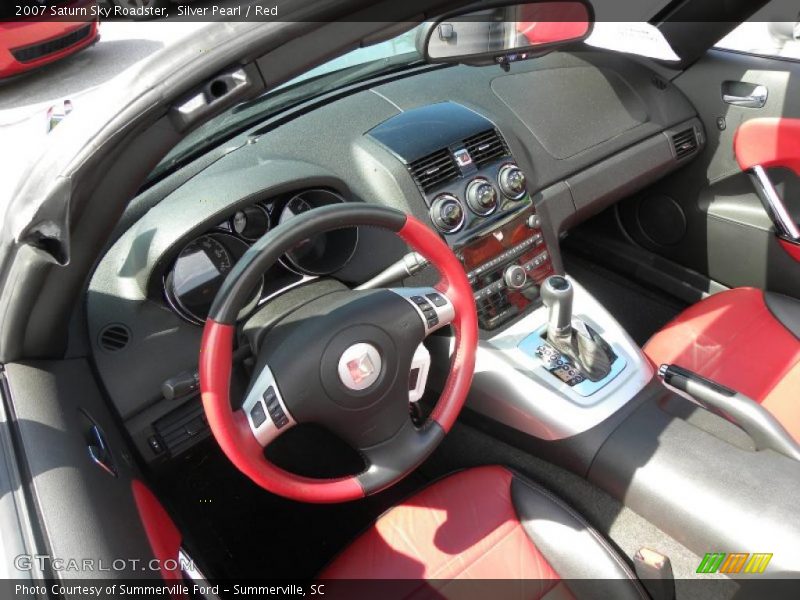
(786, 309)
(582, 557)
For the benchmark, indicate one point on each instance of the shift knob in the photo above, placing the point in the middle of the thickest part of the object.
(557, 293)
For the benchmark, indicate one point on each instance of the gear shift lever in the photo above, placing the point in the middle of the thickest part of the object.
(557, 293)
(581, 343)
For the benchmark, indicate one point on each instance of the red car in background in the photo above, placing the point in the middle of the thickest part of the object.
(35, 41)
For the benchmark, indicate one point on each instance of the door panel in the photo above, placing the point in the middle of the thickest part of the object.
(84, 511)
(725, 232)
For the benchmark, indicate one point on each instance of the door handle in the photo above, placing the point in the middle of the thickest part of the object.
(757, 98)
(99, 452)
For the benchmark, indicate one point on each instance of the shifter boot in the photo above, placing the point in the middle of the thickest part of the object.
(590, 353)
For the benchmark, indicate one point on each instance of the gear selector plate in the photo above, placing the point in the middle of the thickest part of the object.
(563, 368)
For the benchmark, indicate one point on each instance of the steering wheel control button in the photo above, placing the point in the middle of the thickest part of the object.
(360, 366)
(512, 181)
(274, 408)
(264, 408)
(433, 307)
(257, 415)
(437, 299)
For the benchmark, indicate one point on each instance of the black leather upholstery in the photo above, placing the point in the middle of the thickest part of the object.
(573, 548)
(786, 309)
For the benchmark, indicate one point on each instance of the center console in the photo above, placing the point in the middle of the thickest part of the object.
(558, 377)
(551, 372)
(477, 198)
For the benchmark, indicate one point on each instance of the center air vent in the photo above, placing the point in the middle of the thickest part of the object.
(434, 169)
(486, 147)
(114, 338)
(685, 143)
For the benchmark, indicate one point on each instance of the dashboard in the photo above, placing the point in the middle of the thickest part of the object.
(500, 164)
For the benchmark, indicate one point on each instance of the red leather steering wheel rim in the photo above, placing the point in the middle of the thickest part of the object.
(231, 429)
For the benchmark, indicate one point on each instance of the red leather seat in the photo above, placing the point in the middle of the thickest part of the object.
(744, 339)
(487, 523)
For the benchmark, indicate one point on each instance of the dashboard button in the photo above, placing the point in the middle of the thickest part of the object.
(512, 181)
(155, 444)
(515, 277)
(481, 196)
(447, 213)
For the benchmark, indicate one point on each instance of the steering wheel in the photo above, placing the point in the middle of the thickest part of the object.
(341, 360)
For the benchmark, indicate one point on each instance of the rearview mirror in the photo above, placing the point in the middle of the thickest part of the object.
(503, 34)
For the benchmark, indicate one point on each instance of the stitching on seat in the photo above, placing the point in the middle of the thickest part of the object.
(537, 488)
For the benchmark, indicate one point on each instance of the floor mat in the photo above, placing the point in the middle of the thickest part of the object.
(639, 310)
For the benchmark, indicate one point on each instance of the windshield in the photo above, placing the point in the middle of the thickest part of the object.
(362, 64)
(347, 69)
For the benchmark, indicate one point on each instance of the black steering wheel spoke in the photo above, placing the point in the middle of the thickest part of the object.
(389, 460)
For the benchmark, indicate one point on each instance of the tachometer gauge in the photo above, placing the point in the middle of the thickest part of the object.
(251, 223)
(325, 253)
(296, 206)
(199, 271)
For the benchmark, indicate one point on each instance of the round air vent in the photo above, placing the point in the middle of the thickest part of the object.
(114, 337)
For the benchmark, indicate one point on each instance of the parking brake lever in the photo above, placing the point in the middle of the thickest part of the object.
(746, 413)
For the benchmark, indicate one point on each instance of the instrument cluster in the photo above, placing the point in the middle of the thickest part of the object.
(201, 265)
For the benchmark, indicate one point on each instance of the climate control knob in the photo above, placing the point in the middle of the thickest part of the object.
(515, 277)
(447, 213)
(481, 197)
(512, 181)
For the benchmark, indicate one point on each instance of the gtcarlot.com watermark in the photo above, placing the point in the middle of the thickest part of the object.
(28, 562)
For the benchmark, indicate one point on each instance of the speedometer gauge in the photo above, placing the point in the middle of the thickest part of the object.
(199, 271)
(325, 253)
